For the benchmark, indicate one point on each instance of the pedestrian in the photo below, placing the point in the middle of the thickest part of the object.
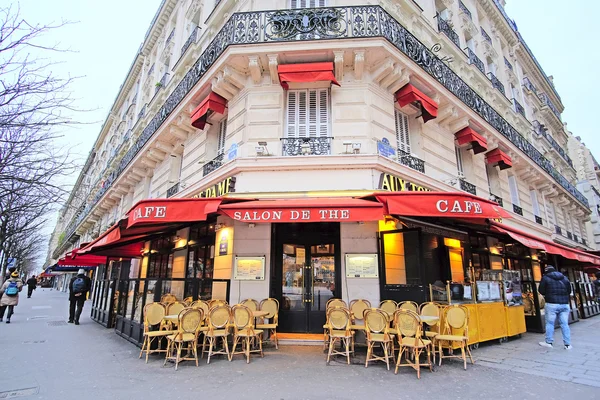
(31, 285)
(79, 286)
(9, 295)
(556, 288)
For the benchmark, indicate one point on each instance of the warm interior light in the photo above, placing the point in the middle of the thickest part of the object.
(452, 243)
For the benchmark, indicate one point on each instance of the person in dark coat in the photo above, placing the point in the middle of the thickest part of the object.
(556, 288)
(79, 286)
(597, 286)
(31, 285)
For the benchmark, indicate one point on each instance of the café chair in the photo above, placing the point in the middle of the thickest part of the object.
(339, 326)
(218, 319)
(408, 305)
(202, 305)
(431, 309)
(216, 302)
(189, 323)
(154, 314)
(331, 303)
(357, 310)
(188, 301)
(244, 332)
(168, 298)
(389, 307)
(410, 338)
(272, 307)
(251, 304)
(377, 332)
(456, 331)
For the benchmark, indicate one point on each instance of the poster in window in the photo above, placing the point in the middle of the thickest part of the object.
(362, 266)
(249, 268)
(300, 255)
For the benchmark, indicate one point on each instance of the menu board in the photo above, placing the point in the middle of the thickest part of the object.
(362, 266)
(249, 268)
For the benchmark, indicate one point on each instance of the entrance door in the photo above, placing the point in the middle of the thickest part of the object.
(306, 275)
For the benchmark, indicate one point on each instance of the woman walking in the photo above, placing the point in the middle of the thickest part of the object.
(9, 295)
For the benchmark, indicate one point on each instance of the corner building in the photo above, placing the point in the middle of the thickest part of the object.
(305, 150)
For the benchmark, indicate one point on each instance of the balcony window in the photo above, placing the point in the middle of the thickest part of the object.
(514, 190)
(307, 131)
(536, 206)
(307, 3)
(402, 133)
(459, 162)
(221, 136)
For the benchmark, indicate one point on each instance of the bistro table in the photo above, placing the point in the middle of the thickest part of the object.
(429, 319)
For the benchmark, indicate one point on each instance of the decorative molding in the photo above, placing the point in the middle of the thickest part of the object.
(273, 68)
(255, 68)
(338, 60)
(359, 64)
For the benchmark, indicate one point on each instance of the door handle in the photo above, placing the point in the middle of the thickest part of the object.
(312, 284)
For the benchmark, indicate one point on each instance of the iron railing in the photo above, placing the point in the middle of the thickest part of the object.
(170, 37)
(213, 164)
(496, 83)
(569, 235)
(162, 83)
(476, 61)
(173, 190)
(497, 199)
(558, 229)
(584, 242)
(546, 100)
(151, 70)
(539, 220)
(463, 8)
(444, 26)
(485, 35)
(541, 130)
(142, 112)
(467, 186)
(411, 161)
(191, 39)
(517, 209)
(518, 107)
(575, 238)
(508, 64)
(529, 85)
(310, 146)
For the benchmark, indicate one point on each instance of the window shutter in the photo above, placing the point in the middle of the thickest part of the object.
(221, 136)
(294, 4)
(302, 113)
(514, 190)
(313, 109)
(308, 113)
(534, 203)
(323, 129)
(459, 163)
(291, 113)
(402, 133)
(551, 214)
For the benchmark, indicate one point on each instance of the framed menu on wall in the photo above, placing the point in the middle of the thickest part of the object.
(362, 266)
(249, 268)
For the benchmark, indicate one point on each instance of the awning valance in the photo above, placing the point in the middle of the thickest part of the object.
(498, 158)
(76, 258)
(311, 72)
(212, 102)
(468, 137)
(440, 204)
(171, 211)
(305, 210)
(533, 242)
(410, 94)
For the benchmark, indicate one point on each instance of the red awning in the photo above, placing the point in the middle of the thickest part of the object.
(410, 94)
(115, 243)
(468, 137)
(170, 211)
(440, 204)
(76, 258)
(305, 210)
(212, 102)
(498, 158)
(312, 72)
(546, 245)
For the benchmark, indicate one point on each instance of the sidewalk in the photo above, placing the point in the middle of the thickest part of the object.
(45, 358)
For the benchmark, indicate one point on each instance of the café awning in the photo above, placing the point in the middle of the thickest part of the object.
(212, 102)
(410, 94)
(305, 210)
(473, 140)
(548, 246)
(309, 72)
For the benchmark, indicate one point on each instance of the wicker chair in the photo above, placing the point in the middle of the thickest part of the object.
(168, 298)
(389, 307)
(272, 307)
(331, 303)
(218, 319)
(377, 331)
(408, 305)
(216, 302)
(408, 326)
(202, 305)
(154, 314)
(357, 311)
(188, 301)
(431, 309)
(251, 304)
(189, 324)
(244, 332)
(339, 325)
(456, 330)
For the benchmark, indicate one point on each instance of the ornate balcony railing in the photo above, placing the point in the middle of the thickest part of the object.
(162, 83)
(497, 199)
(310, 146)
(134, 100)
(464, 9)
(542, 131)
(558, 229)
(325, 23)
(529, 86)
(518, 107)
(575, 238)
(191, 39)
(539, 220)
(411, 161)
(444, 26)
(584, 242)
(569, 235)
(485, 35)
(173, 190)
(467, 186)
(170, 37)
(213, 164)
(151, 70)
(517, 209)
(496, 83)
(473, 59)
(142, 112)
(508, 64)
(546, 100)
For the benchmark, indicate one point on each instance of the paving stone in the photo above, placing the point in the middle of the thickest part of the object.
(590, 382)
(547, 374)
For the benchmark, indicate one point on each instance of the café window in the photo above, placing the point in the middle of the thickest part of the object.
(401, 258)
(160, 261)
(201, 259)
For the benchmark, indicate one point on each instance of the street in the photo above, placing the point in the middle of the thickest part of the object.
(43, 357)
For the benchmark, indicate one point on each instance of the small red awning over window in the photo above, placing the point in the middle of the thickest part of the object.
(410, 94)
(498, 158)
(305, 210)
(312, 72)
(468, 137)
(212, 102)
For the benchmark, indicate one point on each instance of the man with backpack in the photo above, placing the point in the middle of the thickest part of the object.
(79, 286)
(9, 295)
(557, 290)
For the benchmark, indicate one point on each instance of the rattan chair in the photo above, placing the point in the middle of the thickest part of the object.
(389, 307)
(202, 305)
(357, 310)
(431, 309)
(455, 330)
(409, 328)
(154, 314)
(272, 307)
(189, 324)
(244, 332)
(339, 325)
(331, 303)
(216, 302)
(251, 304)
(408, 305)
(377, 331)
(218, 319)
(168, 298)
(188, 300)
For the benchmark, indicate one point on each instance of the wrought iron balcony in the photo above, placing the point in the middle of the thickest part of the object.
(213, 164)
(584, 242)
(464, 9)
(569, 235)
(173, 190)
(518, 107)
(575, 238)
(142, 112)
(496, 83)
(310, 146)
(539, 220)
(517, 209)
(467, 186)
(473, 59)
(541, 130)
(485, 35)
(411, 161)
(546, 100)
(170, 37)
(134, 100)
(191, 39)
(444, 26)
(508, 64)
(150, 71)
(162, 83)
(529, 86)
(558, 229)
(497, 199)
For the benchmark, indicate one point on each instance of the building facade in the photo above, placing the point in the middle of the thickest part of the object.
(301, 99)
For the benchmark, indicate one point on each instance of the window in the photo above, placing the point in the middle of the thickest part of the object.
(534, 203)
(492, 67)
(307, 3)
(308, 113)
(221, 136)
(551, 214)
(459, 162)
(514, 190)
(471, 44)
(514, 92)
(402, 133)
